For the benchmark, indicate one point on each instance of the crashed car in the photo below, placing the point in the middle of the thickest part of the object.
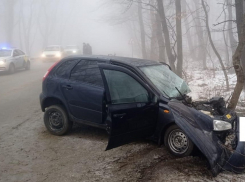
(135, 98)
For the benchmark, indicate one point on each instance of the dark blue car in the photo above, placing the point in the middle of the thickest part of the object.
(135, 98)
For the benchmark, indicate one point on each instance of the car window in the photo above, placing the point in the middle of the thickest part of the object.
(61, 71)
(20, 52)
(125, 89)
(5, 53)
(87, 72)
(16, 53)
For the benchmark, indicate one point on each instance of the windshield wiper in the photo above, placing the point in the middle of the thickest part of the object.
(166, 94)
(184, 97)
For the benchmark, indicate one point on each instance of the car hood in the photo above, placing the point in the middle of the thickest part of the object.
(50, 52)
(2, 58)
(199, 128)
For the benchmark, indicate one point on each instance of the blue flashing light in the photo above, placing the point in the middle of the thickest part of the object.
(4, 48)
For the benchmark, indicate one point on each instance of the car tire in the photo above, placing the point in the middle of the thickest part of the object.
(56, 120)
(11, 68)
(177, 142)
(28, 65)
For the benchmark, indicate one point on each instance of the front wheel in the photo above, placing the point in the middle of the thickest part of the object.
(28, 65)
(177, 142)
(56, 120)
(11, 68)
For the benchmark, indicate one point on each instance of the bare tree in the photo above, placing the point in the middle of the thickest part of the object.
(233, 42)
(171, 57)
(9, 27)
(27, 24)
(200, 36)
(153, 54)
(179, 38)
(142, 30)
(160, 40)
(240, 17)
(239, 20)
(212, 45)
(47, 20)
(188, 32)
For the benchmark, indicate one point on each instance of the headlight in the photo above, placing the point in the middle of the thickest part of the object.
(58, 55)
(74, 51)
(2, 62)
(220, 125)
(43, 55)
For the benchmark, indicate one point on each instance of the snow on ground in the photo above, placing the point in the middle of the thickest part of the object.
(208, 83)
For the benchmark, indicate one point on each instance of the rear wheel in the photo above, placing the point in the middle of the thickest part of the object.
(11, 68)
(28, 65)
(177, 142)
(56, 120)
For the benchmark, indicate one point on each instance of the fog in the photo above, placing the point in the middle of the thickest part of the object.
(61, 22)
(108, 26)
(186, 103)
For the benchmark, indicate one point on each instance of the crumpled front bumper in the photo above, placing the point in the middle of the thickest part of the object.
(199, 128)
(236, 161)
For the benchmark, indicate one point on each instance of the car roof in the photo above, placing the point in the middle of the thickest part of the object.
(8, 49)
(135, 62)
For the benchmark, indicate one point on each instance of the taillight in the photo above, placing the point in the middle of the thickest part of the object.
(46, 74)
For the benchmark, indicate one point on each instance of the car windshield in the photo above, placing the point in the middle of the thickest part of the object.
(71, 47)
(5, 53)
(53, 48)
(166, 80)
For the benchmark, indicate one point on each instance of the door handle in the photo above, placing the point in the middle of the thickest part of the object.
(119, 115)
(67, 87)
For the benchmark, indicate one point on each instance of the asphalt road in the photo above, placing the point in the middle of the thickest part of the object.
(19, 95)
(29, 153)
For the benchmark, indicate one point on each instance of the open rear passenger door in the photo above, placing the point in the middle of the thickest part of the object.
(131, 108)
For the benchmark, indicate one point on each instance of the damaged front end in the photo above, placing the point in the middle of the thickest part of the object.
(215, 132)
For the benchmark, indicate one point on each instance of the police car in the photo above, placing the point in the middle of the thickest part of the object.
(12, 59)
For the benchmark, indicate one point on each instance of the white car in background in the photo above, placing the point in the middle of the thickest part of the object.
(52, 53)
(72, 50)
(12, 59)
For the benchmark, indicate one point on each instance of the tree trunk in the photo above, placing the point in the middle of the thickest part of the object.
(200, 35)
(213, 47)
(10, 21)
(171, 57)
(153, 54)
(233, 42)
(237, 65)
(227, 55)
(179, 38)
(142, 30)
(239, 15)
(188, 33)
(160, 40)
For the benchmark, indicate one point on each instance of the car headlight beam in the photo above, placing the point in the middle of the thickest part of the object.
(58, 55)
(2, 62)
(220, 125)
